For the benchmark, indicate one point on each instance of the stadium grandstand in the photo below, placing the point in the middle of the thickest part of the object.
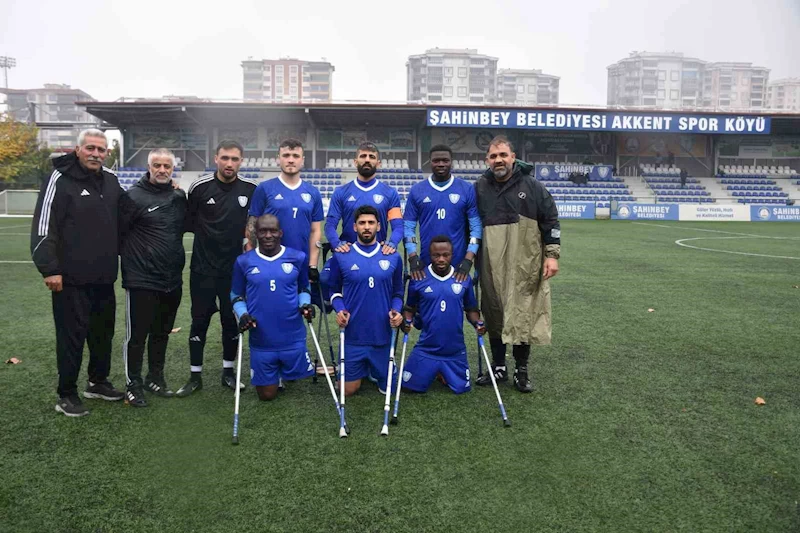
(737, 166)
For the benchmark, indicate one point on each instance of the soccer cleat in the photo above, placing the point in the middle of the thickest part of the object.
(521, 380)
(71, 406)
(134, 396)
(159, 388)
(500, 375)
(103, 390)
(229, 380)
(194, 384)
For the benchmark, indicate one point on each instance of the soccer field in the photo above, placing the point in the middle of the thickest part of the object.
(640, 421)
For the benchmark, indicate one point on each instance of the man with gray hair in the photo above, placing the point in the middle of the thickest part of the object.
(151, 223)
(74, 245)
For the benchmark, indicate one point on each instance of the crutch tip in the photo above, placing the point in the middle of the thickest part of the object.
(342, 433)
(235, 441)
(507, 423)
(385, 431)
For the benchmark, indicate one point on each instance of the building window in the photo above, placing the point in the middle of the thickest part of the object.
(675, 75)
(448, 91)
(293, 69)
(662, 75)
(673, 94)
(531, 89)
(462, 72)
(279, 69)
(520, 88)
(661, 93)
(462, 91)
(448, 71)
(448, 81)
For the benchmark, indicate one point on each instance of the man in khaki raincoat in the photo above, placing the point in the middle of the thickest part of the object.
(519, 253)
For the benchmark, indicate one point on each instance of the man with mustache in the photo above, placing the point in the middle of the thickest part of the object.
(270, 297)
(74, 245)
(519, 254)
(151, 220)
(217, 213)
(366, 189)
(367, 296)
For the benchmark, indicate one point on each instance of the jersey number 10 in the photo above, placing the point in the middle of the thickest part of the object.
(441, 213)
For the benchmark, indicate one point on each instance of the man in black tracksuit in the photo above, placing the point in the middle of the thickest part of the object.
(217, 215)
(151, 218)
(74, 245)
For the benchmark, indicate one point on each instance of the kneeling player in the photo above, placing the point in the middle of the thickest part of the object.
(270, 297)
(442, 302)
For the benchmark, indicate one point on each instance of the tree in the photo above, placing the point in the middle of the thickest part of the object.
(113, 154)
(20, 153)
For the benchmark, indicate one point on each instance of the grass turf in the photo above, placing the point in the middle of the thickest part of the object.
(641, 421)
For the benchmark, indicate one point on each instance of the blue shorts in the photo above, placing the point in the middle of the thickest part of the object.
(267, 366)
(421, 369)
(360, 361)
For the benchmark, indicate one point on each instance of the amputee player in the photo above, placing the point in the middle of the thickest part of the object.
(151, 221)
(366, 189)
(217, 214)
(367, 295)
(442, 301)
(296, 203)
(442, 205)
(270, 297)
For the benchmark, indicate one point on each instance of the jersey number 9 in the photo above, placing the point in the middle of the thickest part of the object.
(443, 306)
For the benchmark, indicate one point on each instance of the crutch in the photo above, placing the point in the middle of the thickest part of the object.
(343, 429)
(394, 420)
(506, 421)
(236, 401)
(388, 399)
(327, 376)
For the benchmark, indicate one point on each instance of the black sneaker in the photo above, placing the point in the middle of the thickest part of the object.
(103, 390)
(134, 396)
(159, 388)
(500, 375)
(521, 380)
(71, 406)
(229, 380)
(194, 384)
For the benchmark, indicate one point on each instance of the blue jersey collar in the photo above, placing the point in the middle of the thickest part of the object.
(441, 188)
(274, 257)
(290, 187)
(440, 278)
(365, 253)
(374, 183)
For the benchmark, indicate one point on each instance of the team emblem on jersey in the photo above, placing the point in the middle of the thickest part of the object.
(243, 201)
(457, 288)
(378, 198)
(384, 264)
(454, 198)
(306, 197)
(406, 375)
(287, 267)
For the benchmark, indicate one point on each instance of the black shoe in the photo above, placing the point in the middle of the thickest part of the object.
(194, 384)
(521, 380)
(159, 388)
(71, 406)
(134, 396)
(229, 380)
(103, 390)
(500, 375)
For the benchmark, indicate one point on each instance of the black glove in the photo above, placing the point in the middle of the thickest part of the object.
(307, 310)
(464, 267)
(313, 274)
(246, 322)
(415, 264)
(406, 326)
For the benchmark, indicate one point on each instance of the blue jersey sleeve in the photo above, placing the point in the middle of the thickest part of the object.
(333, 218)
(475, 226)
(317, 214)
(397, 284)
(413, 295)
(258, 203)
(410, 223)
(238, 287)
(335, 284)
(303, 287)
(470, 303)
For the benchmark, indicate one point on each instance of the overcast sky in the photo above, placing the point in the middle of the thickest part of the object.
(147, 48)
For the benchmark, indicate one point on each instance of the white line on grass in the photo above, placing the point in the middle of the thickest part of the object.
(716, 231)
(15, 234)
(14, 227)
(680, 242)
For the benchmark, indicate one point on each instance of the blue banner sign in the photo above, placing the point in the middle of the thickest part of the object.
(775, 213)
(596, 172)
(597, 121)
(576, 210)
(633, 211)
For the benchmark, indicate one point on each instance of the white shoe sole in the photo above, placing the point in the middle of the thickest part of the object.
(71, 415)
(95, 396)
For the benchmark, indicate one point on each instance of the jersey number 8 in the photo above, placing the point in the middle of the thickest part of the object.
(371, 282)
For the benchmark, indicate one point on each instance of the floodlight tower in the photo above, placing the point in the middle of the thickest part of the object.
(5, 64)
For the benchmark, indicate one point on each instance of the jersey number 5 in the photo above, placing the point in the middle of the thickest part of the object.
(272, 285)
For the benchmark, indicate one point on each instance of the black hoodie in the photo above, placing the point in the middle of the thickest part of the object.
(74, 232)
(151, 223)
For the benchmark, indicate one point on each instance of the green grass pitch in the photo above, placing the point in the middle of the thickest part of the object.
(640, 421)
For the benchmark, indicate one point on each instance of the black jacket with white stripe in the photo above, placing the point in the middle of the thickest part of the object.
(74, 231)
(151, 223)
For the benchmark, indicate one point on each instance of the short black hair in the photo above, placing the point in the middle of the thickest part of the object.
(229, 144)
(368, 146)
(366, 209)
(440, 239)
(290, 144)
(441, 148)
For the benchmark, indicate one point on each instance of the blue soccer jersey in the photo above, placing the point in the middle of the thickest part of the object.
(349, 197)
(367, 284)
(441, 301)
(270, 286)
(448, 209)
(296, 208)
